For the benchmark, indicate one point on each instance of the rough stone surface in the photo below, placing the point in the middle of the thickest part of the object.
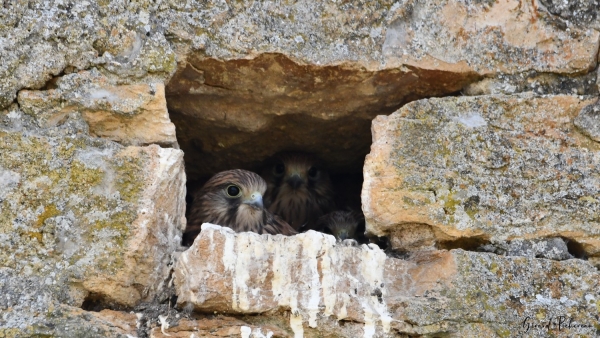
(133, 114)
(246, 70)
(87, 222)
(582, 13)
(29, 309)
(438, 292)
(220, 326)
(588, 121)
(537, 83)
(238, 113)
(550, 248)
(308, 75)
(62, 36)
(86, 217)
(483, 168)
(516, 36)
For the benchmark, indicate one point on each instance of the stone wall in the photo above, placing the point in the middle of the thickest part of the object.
(479, 118)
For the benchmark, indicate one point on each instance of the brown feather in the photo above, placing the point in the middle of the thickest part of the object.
(343, 224)
(298, 189)
(245, 212)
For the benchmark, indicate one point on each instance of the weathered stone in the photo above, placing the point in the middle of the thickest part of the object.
(218, 327)
(299, 77)
(89, 223)
(550, 248)
(582, 13)
(535, 82)
(223, 112)
(438, 292)
(295, 72)
(588, 121)
(87, 218)
(128, 114)
(42, 40)
(445, 35)
(28, 309)
(65, 321)
(483, 168)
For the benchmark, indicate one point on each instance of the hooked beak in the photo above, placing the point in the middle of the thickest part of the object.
(255, 200)
(343, 235)
(295, 181)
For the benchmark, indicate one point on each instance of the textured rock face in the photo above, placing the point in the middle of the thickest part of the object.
(83, 219)
(485, 168)
(332, 67)
(317, 280)
(237, 113)
(128, 114)
(44, 39)
(218, 327)
(249, 70)
(91, 209)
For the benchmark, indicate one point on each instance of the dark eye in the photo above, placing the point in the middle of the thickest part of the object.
(233, 191)
(313, 172)
(279, 169)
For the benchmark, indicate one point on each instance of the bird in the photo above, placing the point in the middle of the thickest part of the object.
(234, 198)
(299, 190)
(343, 224)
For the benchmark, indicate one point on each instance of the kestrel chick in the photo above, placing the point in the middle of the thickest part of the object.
(341, 224)
(234, 199)
(299, 190)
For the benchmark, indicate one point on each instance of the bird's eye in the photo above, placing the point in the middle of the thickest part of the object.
(233, 191)
(313, 172)
(279, 169)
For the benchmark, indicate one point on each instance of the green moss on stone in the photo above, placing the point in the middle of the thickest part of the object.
(503, 332)
(49, 212)
(450, 204)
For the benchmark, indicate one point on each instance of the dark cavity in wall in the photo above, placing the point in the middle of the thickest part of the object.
(237, 113)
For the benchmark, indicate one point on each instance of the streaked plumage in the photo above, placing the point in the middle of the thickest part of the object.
(342, 224)
(298, 189)
(234, 199)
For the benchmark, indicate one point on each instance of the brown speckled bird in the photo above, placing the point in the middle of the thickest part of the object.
(298, 189)
(342, 224)
(234, 199)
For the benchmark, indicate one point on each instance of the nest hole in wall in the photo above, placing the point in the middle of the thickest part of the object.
(237, 113)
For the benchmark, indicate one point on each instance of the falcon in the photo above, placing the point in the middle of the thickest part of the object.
(234, 199)
(298, 189)
(342, 224)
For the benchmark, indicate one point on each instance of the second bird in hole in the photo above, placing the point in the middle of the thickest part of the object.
(299, 190)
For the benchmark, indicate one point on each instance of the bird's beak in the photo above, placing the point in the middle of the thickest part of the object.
(295, 181)
(343, 235)
(255, 200)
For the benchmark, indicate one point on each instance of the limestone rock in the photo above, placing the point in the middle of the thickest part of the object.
(306, 274)
(224, 121)
(588, 121)
(483, 168)
(305, 72)
(218, 327)
(582, 13)
(245, 71)
(550, 248)
(87, 218)
(457, 36)
(53, 37)
(432, 293)
(29, 308)
(537, 83)
(129, 114)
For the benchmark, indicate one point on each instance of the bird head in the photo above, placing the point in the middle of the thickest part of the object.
(296, 172)
(341, 224)
(234, 198)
